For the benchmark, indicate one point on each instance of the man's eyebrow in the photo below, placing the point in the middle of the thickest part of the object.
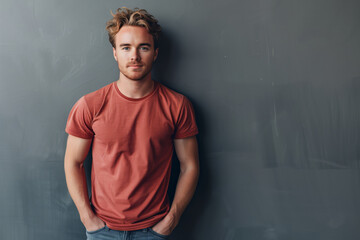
(141, 44)
(145, 44)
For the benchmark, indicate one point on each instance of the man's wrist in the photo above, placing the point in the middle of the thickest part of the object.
(174, 214)
(86, 215)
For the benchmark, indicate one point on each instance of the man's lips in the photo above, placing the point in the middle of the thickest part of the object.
(134, 65)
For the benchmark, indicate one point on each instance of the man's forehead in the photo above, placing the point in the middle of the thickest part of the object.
(131, 34)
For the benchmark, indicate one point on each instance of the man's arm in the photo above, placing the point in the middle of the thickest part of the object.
(187, 153)
(76, 151)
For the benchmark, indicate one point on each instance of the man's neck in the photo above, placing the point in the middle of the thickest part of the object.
(135, 88)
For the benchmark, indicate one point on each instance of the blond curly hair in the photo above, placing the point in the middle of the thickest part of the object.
(137, 17)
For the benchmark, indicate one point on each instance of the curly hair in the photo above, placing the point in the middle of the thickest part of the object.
(137, 17)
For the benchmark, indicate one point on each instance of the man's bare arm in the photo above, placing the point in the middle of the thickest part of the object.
(187, 153)
(76, 151)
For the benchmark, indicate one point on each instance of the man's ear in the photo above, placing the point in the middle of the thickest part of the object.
(114, 53)
(156, 54)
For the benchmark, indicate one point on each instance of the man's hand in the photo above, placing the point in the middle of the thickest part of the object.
(166, 225)
(94, 223)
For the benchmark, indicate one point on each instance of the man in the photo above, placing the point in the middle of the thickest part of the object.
(134, 124)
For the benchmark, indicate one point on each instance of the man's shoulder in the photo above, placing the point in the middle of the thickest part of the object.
(95, 99)
(99, 92)
(170, 94)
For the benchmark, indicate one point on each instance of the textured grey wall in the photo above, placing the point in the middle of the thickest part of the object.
(275, 85)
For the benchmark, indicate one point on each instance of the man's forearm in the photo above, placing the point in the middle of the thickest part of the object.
(185, 189)
(76, 182)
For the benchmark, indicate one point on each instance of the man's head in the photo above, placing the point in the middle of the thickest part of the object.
(136, 17)
(134, 36)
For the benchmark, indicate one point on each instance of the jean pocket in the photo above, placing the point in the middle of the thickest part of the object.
(157, 234)
(96, 231)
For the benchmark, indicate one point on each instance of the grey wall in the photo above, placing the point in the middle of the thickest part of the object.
(276, 89)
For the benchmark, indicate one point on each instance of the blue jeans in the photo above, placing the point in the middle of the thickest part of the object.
(106, 233)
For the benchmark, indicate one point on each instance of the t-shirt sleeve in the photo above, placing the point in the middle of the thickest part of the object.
(186, 123)
(79, 122)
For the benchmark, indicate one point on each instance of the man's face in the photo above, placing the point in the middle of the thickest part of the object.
(134, 52)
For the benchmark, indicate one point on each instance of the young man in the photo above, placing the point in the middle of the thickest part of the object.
(134, 124)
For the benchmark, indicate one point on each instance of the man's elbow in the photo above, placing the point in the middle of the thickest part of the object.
(72, 163)
(190, 166)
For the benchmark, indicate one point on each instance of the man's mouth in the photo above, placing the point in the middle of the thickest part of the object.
(134, 65)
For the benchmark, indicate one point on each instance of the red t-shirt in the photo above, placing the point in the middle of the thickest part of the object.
(132, 150)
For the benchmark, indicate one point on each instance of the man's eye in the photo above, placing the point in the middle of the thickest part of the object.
(144, 48)
(125, 48)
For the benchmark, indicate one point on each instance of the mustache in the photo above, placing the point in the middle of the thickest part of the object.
(134, 63)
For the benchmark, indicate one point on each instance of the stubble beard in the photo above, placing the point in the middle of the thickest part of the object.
(141, 77)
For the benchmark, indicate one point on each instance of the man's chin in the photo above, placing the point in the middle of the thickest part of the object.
(135, 77)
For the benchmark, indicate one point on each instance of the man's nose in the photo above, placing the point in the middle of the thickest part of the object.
(135, 56)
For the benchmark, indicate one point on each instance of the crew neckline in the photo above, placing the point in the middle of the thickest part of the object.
(156, 86)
